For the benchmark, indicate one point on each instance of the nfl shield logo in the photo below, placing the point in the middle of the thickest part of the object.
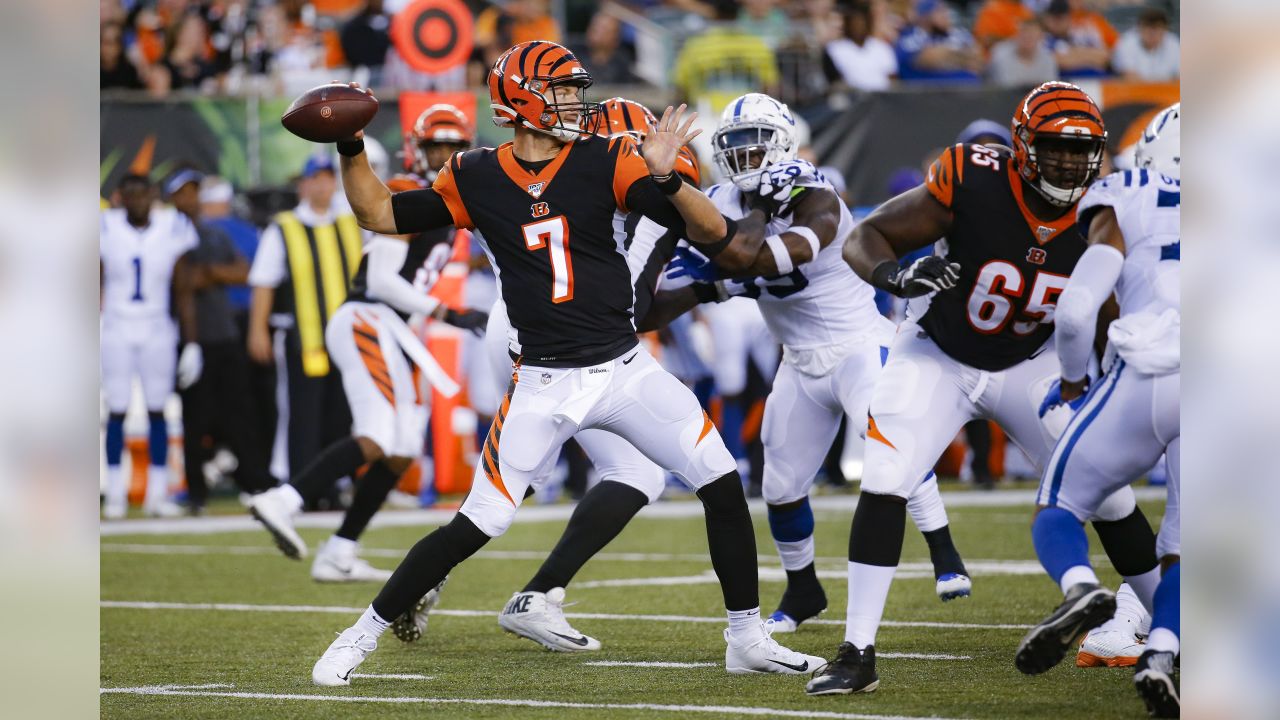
(536, 189)
(1043, 233)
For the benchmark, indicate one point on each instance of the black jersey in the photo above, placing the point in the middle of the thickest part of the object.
(550, 233)
(1013, 265)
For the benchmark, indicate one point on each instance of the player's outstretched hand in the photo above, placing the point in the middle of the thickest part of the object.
(673, 131)
(926, 275)
(473, 320)
(692, 264)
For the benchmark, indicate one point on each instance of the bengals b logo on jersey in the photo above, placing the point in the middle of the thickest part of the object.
(1036, 256)
(540, 209)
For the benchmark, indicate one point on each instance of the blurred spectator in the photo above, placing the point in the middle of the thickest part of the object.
(933, 48)
(498, 27)
(1024, 60)
(985, 132)
(604, 55)
(1078, 54)
(858, 59)
(366, 38)
(889, 19)
(764, 19)
(725, 61)
(1149, 51)
(119, 67)
(999, 20)
(188, 57)
(1090, 27)
(819, 22)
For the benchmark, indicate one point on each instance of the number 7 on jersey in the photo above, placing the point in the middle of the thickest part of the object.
(553, 234)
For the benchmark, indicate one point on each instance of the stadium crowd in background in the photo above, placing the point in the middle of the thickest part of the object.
(239, 46)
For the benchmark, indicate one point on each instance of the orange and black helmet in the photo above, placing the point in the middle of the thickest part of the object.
(521, 88)
(622, 116)
(1058, 141)
(439, 124)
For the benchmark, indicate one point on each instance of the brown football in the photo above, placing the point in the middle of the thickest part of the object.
(329, 113)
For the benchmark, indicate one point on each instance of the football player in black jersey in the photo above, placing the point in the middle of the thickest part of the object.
(545, 205)
(367, 340)
(973, 345)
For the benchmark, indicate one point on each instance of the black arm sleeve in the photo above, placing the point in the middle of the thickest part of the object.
(645, 198)
(419, 210)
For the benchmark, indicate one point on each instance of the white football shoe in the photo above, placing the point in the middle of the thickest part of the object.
(335, 666)
(954, 585)
(540, 617)
(412, 624)
(115, 509)
(163, 509)
(763, 654)
(1106, 647)
(338, 562)
(275, 509)
(780, 622)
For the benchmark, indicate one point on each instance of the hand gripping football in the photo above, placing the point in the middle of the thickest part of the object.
(330, 113)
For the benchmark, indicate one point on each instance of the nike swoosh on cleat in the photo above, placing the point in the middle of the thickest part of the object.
(346, 677)
(624, 362)
(579, 641)
(798, 668)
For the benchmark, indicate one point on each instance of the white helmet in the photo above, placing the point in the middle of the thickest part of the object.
(1159, 149)
(754, 126)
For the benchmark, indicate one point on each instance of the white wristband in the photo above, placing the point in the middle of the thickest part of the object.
(809, 235)
(781, 257)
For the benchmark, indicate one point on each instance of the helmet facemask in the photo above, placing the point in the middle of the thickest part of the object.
(552, 119)
(745, 151)
(1063, 165)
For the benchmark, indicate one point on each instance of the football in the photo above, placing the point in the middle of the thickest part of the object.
(329, 113)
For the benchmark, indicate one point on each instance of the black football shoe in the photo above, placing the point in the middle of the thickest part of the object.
(852, 671)
(1153, 676)
(1086, 606)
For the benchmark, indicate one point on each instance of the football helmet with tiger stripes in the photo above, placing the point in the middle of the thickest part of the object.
(1058, 141)
(441, 126)
(622, 116)
(523, 90)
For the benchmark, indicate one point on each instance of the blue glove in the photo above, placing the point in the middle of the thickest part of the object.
(1053, 399)
(692, 264)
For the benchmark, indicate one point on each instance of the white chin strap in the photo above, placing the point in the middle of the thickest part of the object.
(1056, 195)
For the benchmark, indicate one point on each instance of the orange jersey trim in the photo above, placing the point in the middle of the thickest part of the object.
(518, 175)
(1066, 220)
(628, 168)
(945, 174)
(447, 187)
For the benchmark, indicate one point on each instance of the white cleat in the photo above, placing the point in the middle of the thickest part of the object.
(412, 625)
(780, 622)
(335, 666)
(763, 654)
(1109, 648)
(540, 617)
(275, 509)
(340, 564)
(954, 585)
(115, 510)
(163, 509)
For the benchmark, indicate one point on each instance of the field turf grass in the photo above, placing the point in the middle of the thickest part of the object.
(256, 663)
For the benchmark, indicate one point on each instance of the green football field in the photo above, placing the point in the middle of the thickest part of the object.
(219, 624)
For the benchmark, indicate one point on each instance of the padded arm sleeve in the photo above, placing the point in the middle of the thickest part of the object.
(420, 210)
(645, 198)
(1075, 319)
(386, 257)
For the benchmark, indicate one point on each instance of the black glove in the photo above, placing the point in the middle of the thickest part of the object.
(473, 320)
(927, 275)
(775, 202)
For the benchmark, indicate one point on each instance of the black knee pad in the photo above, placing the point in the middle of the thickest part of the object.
(1129, 542)
(879, 523)
(724, 496)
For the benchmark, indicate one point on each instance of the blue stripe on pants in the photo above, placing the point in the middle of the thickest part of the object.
(1060, 467)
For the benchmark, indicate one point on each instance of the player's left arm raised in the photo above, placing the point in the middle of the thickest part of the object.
(703, 222)
(816, 221)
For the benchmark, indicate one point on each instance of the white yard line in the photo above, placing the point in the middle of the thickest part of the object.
(550, 513)
(392, 676)
(740, 711)
(334, 609)
(620, 663)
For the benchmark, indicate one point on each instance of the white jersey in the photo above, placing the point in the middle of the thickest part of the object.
(821, 307)
(1148, 208)
(137, 263)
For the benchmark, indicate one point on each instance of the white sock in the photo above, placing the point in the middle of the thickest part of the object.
(795, 555)
(116, 490)
(926, 508)
(1076, 575)
(157, 485)
(1144, 586)
(868, 590)
(744, 624)
(1163, 640)
(370, 624)
(1129, 613)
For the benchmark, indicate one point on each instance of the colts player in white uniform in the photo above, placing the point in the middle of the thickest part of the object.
(142, 253)
(1131, 417)
(833, 338)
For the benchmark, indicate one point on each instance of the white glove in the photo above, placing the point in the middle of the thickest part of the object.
(781, 183)
(190, 365)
